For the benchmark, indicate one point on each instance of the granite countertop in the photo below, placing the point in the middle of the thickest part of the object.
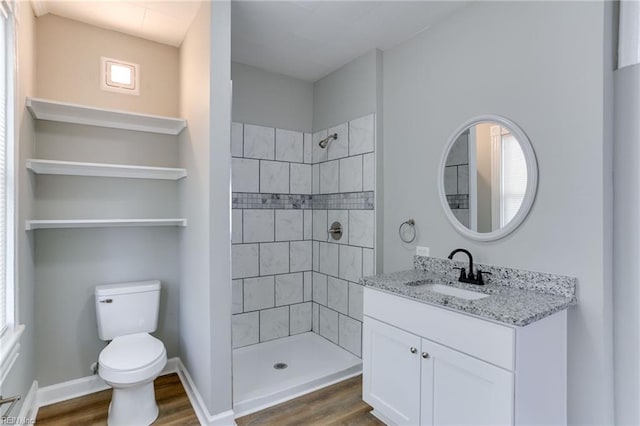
(507, 304)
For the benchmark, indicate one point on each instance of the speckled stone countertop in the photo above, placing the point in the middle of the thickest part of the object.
(512, 300)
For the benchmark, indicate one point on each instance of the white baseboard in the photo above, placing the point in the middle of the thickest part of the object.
(29, 409)
(84, 386)
(225, 418)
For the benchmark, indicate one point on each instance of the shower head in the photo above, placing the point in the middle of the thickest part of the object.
(324, 142)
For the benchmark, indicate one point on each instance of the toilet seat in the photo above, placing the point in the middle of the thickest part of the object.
(131, 359)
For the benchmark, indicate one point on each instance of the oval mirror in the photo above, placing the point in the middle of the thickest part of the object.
(487, 178)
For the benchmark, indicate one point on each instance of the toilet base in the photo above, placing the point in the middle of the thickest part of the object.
(134, 405)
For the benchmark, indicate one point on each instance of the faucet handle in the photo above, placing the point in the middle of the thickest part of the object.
(479, 276)
(463, 273)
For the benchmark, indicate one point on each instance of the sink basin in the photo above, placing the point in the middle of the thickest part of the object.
(454, 291)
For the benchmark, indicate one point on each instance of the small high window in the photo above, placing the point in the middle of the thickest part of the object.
(119, 76)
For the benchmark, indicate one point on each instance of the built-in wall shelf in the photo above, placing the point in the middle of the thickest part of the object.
(100, 223)
(71, 168)
(43, 109)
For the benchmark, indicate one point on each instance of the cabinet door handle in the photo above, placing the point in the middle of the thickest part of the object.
(425, 355)
(413, 350)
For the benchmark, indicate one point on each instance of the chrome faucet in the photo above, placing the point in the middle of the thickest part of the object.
(469, 278)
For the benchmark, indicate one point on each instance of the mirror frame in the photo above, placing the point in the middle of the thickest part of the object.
(532, 179)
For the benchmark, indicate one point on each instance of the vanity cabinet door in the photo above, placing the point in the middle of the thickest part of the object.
(391, 367)
(458, 389)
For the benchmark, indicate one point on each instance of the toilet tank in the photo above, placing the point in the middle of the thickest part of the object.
(127, 308)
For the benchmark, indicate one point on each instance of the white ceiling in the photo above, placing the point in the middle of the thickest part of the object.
(306, 39)
(166, 22)
(309, 39)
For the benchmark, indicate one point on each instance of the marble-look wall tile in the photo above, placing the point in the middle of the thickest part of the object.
(361, 228)
(288, 225)
(351, 174)
(320, 225)
(319, 154)
(320, 288)
(308, 151)
(245, 175)
(237, 302)
(308, 224)
(236, 139)
(350, 263)
(368, 262)
(368, 172)
(315, 179)
(274, 177)
(341, 216)
(338, 148)
(289, 289)
(350, 335)
(300, 178)
(315, 252)
(361, 135)
(244, 260)
(274, 258)
(274, 323)
(258, 225)
(308, 287)
(315, 318)
(450, 180)
(463, 179)
(459, 152)
(329, 177)
(300, 317)
(259, 142)
(289, 146)
(356, 298)
(258, 293)
(236, 226)
(462, 215)
(245, 329)
(329, 258)
(329, 324)
(300, 256)
(338, 295)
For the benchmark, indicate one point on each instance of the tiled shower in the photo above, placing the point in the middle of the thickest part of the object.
(289, 275)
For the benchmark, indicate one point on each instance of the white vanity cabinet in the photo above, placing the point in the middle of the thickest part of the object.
(425, 365)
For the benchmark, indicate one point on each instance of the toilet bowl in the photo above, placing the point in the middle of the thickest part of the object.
(130, 364)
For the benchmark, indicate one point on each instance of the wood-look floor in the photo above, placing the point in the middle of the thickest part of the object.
(173, 403)
(337, 405)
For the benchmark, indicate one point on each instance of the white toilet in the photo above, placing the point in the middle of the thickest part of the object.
(126, 314)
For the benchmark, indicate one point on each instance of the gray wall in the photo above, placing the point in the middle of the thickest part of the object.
(627, 245)
(23, 372)
(272, 100)
(220, 236)
(70, 263)
(205, 245)
(195, 143)
(347, 93)
(553, 86)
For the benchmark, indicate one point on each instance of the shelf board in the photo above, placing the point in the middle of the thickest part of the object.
(71, 168)
(43, 109)
(100, 223)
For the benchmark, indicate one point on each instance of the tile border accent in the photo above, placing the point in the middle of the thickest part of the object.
(364, 200)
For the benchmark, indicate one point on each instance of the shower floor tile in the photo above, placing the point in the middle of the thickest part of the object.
(312, 363)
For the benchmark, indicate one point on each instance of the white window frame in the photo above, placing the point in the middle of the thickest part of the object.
(10, 336)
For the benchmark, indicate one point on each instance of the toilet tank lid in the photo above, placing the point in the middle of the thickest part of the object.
(126, 288)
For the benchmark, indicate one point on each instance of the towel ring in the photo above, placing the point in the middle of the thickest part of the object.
(412, 224)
